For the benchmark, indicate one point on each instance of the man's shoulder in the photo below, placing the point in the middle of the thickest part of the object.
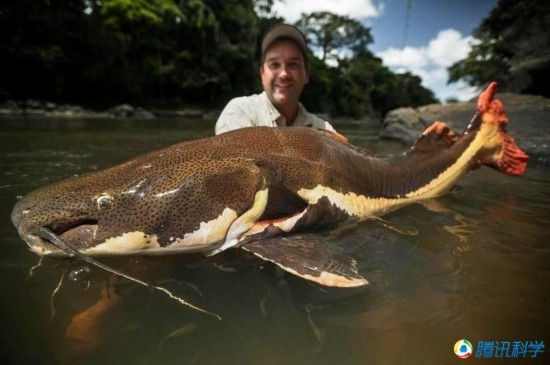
(244, 111)
(249, 100)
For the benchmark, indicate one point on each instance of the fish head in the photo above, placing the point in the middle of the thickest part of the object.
(84, 212)
(152, 205)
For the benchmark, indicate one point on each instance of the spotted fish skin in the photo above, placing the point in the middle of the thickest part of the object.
(249, 184)
(169, 193)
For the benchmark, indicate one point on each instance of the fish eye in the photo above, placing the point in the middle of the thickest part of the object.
(104, 202)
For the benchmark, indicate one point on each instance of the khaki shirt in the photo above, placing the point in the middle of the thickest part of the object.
(257, 111)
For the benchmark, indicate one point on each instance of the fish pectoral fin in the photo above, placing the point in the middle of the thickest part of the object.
(310, 257)
(436, 137)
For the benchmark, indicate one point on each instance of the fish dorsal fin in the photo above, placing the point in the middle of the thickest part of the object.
(438, 135)
(310, 257)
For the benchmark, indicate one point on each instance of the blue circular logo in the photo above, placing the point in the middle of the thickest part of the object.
(463, 348)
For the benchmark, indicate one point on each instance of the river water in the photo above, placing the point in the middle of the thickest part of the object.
(474, 265)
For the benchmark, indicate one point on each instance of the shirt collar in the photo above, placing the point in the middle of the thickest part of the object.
(278, 118)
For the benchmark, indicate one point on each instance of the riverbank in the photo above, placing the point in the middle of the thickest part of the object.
(37, 108)
(45, 109)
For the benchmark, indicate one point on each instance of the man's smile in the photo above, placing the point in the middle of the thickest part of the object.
(284, 86)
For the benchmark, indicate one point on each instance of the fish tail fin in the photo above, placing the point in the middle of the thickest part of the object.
(500, 150)
(511, 160)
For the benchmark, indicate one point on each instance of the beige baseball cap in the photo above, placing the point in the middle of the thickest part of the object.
(284, 31)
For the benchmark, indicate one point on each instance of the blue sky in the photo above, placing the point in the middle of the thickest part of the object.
(439, 33)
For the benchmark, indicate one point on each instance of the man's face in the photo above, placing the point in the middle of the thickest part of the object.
(283, 73)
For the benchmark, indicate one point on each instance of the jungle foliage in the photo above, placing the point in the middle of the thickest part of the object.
(513, 49)
(173, 52)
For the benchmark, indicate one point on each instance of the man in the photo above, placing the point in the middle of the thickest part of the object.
(284, 73)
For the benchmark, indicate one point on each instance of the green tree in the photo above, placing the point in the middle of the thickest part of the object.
(331, 33)
(317, 94)
(486, 61)
(143, 36)
(102, 52)
(217, 60)
(514, 49)
(38, 59)
(366, 87)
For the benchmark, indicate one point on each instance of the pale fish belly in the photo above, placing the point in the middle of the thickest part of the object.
(208, 235)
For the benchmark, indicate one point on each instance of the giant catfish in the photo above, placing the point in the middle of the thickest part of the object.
(254, 189)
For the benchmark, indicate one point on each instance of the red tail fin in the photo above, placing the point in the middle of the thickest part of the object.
(505, 155)
(512, 160)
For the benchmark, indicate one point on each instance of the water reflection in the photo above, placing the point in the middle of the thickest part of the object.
(472, 264)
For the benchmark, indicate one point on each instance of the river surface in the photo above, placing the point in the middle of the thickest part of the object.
(474, 264)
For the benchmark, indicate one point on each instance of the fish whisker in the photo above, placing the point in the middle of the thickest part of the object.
(48, 234)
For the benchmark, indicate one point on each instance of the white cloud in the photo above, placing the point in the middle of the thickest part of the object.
(291, 10)
(449, 47)
(408, 57)
(430, 63)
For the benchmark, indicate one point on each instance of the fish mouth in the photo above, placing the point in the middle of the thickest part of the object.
(52, 239)
(44, 240)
